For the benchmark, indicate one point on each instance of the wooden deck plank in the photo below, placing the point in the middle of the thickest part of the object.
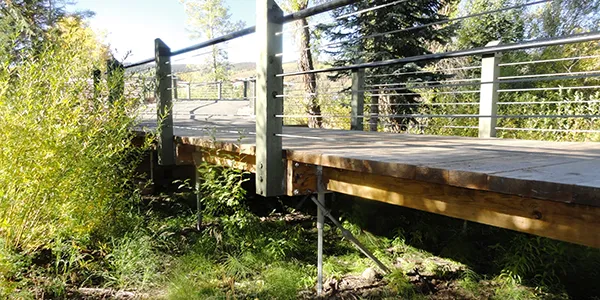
(565, 171)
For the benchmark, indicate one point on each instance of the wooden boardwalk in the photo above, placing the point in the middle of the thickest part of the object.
(549, 189)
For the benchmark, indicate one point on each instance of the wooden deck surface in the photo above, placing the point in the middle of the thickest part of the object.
(561, 171)
(550, 189)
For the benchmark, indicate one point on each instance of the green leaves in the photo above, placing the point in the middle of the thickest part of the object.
(65, 152)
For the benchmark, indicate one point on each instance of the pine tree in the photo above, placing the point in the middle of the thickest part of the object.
(364, 37)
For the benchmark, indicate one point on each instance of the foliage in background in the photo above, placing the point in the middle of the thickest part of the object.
(25, 24)
(209, 19)
(366, 37)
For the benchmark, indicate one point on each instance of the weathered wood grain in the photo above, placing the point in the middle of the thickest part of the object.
(567, 222)
(566, 171)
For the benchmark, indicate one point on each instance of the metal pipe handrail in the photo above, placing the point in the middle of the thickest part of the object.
(301, 14)
(577, 38)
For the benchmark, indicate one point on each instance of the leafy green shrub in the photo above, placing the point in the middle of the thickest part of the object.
(66, 153)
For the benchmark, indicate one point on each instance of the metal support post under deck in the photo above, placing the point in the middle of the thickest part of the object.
(198, 201)
(245, 95)
(490, 71)
(348, 235)
(166, 147)
(320, 223)
(358, 99)
(189, 91)
(269, 159)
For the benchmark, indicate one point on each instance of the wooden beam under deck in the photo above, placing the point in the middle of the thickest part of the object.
(575, 223)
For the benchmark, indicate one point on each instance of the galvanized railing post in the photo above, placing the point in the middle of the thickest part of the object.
(488, 107)
(269, 171)
(320, 225)
(189, 91)
(358, 99)
(166, 147)
(245, 93)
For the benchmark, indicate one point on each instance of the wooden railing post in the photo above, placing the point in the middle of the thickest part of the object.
(96, 75)
(115, 73)
(220, 90)
(269, 159)
(174, 86)
(245, 94)
(253, 101)
(358, 99)
(166, 148)
(488, 107)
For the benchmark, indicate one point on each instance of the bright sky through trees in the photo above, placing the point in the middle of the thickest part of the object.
(132, 26)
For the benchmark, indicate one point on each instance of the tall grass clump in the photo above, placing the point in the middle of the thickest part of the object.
(65, 149)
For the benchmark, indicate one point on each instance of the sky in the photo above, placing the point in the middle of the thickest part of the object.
(130, 27)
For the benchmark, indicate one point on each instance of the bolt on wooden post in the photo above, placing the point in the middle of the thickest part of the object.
(166, 147)
(358, 99)
(488, 101)
(269, 159)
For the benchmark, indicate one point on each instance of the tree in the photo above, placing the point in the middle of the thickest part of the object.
(305, 63)
(507, 26)
(25, 23)
(382, 34)
(208, 19)
(562, 17)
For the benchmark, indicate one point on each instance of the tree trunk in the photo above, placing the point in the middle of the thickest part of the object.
(305, 63)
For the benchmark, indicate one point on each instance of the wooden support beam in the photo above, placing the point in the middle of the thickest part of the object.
(166, 147)
(562, 221)
(225, 159)
(358, 99)
(270, 173)
(301, 179)
(184, 154)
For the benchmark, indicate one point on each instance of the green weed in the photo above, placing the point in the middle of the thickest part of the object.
(400, 285)
(510, 288)
(133, 262)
